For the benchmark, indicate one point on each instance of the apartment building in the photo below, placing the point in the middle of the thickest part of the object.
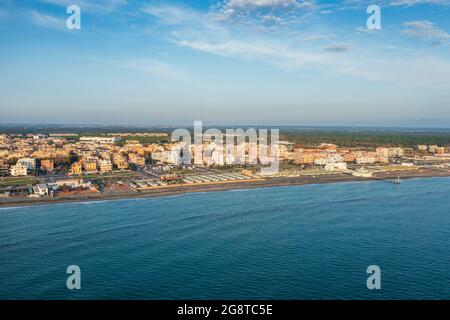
(432, 148)
(136, 159)
(28, 163)
(422, 147)
(120, 162)
(4, 168)
(330, 159)
(76, 168)
(349, 157)
(366, 159)
(408, 152)
(47, 165)
(19, 170)
(105, 166)
(90, 166)
(301, 157)
(382, 152)
(103, 140)
(395, 152)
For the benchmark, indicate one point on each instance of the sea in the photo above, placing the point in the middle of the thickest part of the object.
(296, 242)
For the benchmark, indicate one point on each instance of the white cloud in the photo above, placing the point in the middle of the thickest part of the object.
(415, 2)
(47, 21)
(271, 18)
(274, 53)
(156, 68)
(265, 12)
(199, 31)
(267, 3)
(218, 39)
(425, 30)
(393, 3)
(341, 47)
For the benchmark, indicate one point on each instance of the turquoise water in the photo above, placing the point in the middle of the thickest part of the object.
(301, 242)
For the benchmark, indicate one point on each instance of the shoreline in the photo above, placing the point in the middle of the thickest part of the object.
(254, 184)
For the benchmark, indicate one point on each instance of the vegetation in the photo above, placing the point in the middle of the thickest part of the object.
(148, 140)
(306, 136)
(81, 130)
(17, 181)
(364, 139)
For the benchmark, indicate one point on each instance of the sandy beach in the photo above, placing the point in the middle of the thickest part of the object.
(176, 190)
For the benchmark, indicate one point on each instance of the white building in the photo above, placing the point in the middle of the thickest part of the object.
(331, 159)
(105, 140)
(422, 147)
(230, 157)
(395, 152)
(433, 148)
(72, 183)
(29, 163)
(173, 156)
(18, 170)
(105, 166)
(383, 152)
(362, 173)
(336, 166)
(382, 159)
(217, 157)
(40, 190)
(407, 164)
(365, 160)
(158, 156)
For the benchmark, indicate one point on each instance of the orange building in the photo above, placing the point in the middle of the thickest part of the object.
(302, 157)
(137, 160)
(47, 165)
(90, 166)
(349, 157)
(121, 164)
(76, 168)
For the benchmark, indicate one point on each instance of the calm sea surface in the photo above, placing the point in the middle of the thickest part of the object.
(302, 242)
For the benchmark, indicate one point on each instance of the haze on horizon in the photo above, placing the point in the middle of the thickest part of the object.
(283, 62)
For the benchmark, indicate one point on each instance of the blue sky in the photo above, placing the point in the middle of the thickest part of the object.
(288, 62)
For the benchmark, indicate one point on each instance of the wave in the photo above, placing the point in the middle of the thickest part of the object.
(239, 190)
(93, 202)
(12, 208)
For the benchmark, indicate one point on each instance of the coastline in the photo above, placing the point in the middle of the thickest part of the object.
(187, 189)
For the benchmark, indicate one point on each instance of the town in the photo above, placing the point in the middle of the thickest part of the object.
(77, 166)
